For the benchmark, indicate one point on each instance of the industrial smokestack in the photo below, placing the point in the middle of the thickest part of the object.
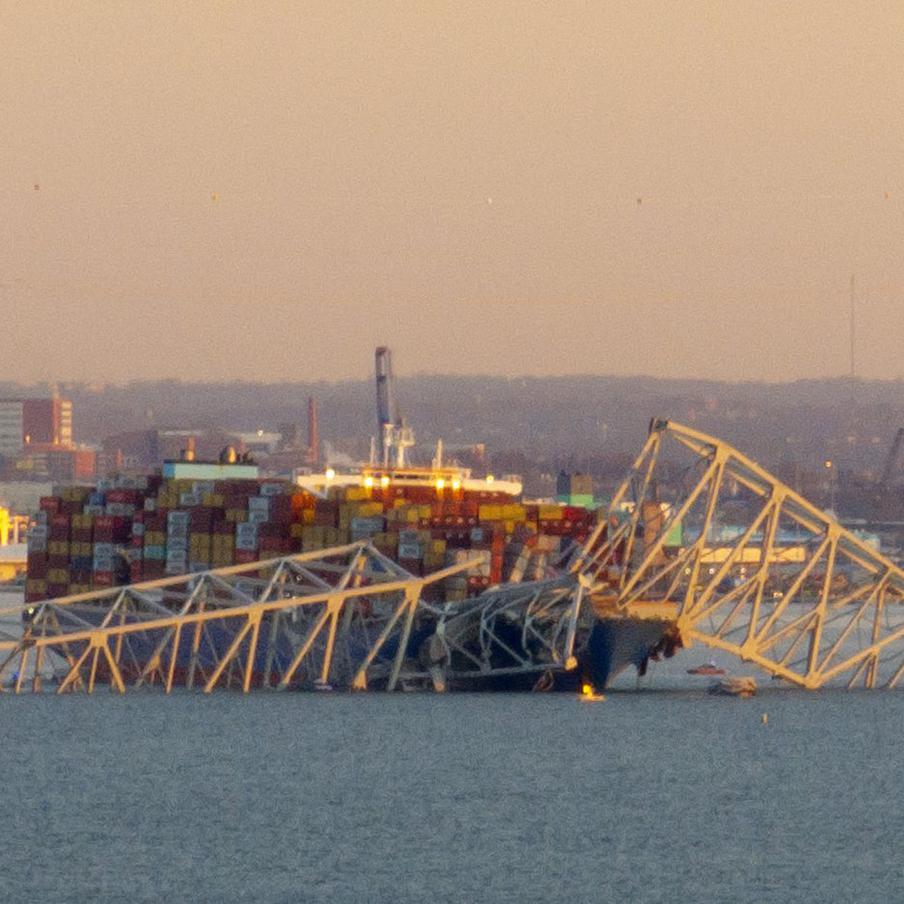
(313, 453)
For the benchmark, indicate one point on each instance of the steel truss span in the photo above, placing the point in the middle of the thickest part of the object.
(344, 618)
(750, 566)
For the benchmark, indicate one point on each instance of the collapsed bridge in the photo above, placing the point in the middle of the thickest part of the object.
(700, 545)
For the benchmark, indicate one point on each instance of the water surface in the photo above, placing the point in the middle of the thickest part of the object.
(649, 796)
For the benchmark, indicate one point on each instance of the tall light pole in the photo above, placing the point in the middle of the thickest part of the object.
(830, 469)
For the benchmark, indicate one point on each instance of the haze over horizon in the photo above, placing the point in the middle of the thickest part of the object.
(265, 191)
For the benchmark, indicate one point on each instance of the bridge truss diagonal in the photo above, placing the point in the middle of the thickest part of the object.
(315, 618)
(346, 618)
(751, 566)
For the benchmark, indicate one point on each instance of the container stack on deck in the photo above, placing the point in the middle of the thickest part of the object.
(130, 529)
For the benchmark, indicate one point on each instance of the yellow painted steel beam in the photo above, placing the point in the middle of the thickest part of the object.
(857, 585)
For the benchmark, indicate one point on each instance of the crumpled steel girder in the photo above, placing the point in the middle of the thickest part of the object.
(750, 566)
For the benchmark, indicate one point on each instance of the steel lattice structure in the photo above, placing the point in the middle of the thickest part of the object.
(697, 532)
(750, 566)
(346, 617)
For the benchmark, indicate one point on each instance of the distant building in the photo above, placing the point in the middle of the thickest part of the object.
(24, 422)
(47, 421)
(47, 461)
(11, 427)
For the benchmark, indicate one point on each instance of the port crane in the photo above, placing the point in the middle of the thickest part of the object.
(394, 436)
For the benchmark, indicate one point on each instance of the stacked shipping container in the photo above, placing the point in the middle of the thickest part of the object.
(130, 529)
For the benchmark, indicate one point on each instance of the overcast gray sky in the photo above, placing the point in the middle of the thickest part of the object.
(267, 190)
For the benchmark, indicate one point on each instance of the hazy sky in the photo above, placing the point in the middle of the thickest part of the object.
(267, 190)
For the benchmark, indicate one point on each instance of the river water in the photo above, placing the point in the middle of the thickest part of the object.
(647, 796)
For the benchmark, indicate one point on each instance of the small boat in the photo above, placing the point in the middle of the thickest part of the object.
(709, 668)
(735, 687)
(321, 685)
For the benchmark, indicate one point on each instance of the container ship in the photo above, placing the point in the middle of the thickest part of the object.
(193, 516)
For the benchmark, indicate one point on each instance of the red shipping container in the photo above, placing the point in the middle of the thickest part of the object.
(414, 566)
(36, 565)
(245, 556)
(281, 509)
(153, 569)
(155, 522)
(201, 519)
(127, 497)
(275, 545)
(50, 504)
(112, 529)
(59, 527)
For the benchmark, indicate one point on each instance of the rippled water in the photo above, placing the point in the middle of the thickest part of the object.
(650, 796)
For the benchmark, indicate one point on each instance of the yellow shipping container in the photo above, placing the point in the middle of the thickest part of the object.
(357, 493)
(514, 512)
(58, 548)
(550, 513)
(214, 500)
(488, 512)
(154, 538)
